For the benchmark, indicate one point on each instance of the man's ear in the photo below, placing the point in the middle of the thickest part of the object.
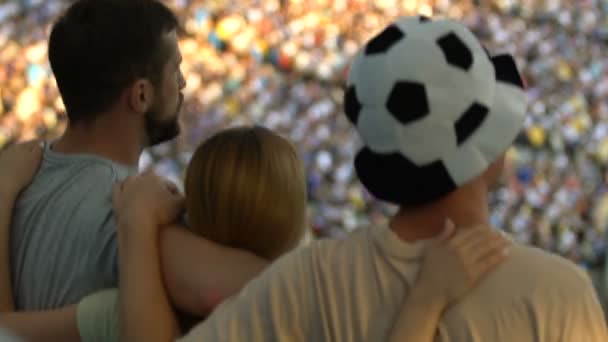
(141, 95)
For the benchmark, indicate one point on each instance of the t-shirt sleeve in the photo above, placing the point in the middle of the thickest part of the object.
(272, 307)
(97, 317)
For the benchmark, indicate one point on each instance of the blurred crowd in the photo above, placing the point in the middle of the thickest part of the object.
(282, 64)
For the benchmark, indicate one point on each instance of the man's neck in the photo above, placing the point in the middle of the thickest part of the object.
(466, 207)
(111, 140)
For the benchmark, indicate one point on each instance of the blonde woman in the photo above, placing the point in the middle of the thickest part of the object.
(245, 188)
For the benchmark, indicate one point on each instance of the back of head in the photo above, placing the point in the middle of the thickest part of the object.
(98, 47)
(245, 188)
(433, 110)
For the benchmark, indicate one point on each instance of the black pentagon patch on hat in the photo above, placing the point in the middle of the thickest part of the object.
(395, 179)
(506, 70)
(383, 42)
(455, 51)
(408, 102)
(352, 106)
(470, 121)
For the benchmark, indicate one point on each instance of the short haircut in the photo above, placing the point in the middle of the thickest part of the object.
(98, 47)
(245, 188)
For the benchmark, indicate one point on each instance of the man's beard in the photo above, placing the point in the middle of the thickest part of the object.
(159, 131)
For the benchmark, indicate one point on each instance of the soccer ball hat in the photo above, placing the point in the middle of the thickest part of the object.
(432, 108)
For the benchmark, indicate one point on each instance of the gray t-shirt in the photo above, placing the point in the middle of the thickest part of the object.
(63, 237)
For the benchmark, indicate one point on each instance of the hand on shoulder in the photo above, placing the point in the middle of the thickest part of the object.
(458, 260)
(146, 201)
(18, 166)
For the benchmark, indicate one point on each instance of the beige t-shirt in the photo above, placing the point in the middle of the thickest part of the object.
(352, 290)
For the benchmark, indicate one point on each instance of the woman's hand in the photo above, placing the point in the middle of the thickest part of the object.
(18, 166)
(457, 262)
(146, 200)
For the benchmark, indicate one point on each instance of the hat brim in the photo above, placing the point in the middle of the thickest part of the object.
(498, 131)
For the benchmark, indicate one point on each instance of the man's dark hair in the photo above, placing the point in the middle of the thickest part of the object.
(98, 47)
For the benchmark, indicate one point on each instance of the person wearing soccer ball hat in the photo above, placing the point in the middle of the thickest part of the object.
(435, 114)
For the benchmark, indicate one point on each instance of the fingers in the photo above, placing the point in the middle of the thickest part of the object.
(475, 244)
(35, 148)
(120, 187)
(448, 231)
(173, 189)
(26, 147)
(126, 184)
(463, 236)
(487, 256)
(482, 238)
(492, 244)
(147, 180)
(490, 261)
(32, 145)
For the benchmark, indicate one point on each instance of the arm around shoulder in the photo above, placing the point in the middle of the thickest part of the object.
(275, 306)
(199, 273)
(55, 325)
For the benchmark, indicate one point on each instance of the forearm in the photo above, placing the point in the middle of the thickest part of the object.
(418, 319)
(199, 273)
(7, 202)
(145, 312)
(55, 325)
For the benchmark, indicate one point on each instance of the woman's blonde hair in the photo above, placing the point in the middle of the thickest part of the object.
(245, 188)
